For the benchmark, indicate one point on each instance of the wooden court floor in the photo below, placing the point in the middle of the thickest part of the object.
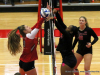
(9, 64)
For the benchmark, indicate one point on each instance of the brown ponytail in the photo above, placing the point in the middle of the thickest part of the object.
(87, 25)
(14, 40)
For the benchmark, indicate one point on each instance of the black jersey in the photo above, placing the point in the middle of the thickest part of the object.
(84, 37)
(65, 41)
(75, 29)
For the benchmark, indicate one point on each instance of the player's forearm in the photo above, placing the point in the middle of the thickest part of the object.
(94, 41)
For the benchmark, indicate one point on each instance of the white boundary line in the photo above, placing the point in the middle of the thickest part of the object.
(78, 18)
(50, 63)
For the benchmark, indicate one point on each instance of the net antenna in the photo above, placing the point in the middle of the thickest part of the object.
(53, 51)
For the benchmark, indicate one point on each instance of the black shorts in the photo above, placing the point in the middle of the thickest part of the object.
(85, 51)
(68, 58)
(26, 66)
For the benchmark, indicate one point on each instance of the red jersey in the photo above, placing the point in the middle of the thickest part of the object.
(30, 43)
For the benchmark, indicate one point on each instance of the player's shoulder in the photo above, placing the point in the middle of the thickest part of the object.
(89, 29)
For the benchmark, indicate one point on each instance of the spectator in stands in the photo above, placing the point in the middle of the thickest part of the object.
(12, 2)
(69, 1)
(44, 2)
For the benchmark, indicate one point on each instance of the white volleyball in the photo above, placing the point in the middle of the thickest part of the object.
(45, 12)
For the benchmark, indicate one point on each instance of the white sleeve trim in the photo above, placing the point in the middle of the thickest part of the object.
(32, 34)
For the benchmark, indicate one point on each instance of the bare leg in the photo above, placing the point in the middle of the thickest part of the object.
(87, 61)
(66, 70)
(31, 72)
(21, 71)
(79, 59)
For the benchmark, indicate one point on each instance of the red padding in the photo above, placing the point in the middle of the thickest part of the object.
(97, 31)
(56, 33)
(4, 32)
(57, 9)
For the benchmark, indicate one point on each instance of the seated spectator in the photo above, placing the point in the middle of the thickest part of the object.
(69, 1)
(44, 2)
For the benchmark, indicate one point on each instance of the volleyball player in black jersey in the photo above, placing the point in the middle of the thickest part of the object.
(65, 45)
(84, 45)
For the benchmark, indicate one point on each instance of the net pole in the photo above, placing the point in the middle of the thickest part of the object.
(53, 41)
(47, 34)
(40, 31)
(61, 10)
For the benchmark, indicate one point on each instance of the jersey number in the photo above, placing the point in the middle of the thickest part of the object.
(80, 37)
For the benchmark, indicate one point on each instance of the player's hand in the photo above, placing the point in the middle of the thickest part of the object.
(88, 45)
(48, 18)
(54, 11)
(48, 7)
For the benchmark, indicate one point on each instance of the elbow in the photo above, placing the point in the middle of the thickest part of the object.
(96, 38)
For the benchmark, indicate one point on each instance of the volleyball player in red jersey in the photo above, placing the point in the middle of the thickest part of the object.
(29, 55)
